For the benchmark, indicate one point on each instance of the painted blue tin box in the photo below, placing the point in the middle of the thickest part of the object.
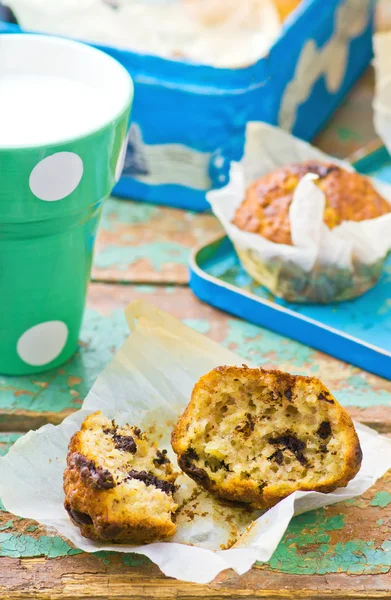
(185, 113)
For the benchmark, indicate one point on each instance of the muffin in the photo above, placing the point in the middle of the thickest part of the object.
(349, 197)
(256, 436)
(340, 261)
(118, 485)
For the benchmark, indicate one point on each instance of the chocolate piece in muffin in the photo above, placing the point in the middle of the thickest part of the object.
(349, 197)
(118, 485)
(256, 436)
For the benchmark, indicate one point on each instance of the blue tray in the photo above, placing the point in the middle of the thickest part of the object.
(357, 331)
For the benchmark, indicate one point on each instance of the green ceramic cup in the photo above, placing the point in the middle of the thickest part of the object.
(62, 147)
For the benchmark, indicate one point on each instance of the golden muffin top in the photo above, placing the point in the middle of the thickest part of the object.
(349, 197)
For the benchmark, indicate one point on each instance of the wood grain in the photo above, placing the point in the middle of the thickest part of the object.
(339, 551)
(141, 243)
(84, 577)
(351, 127)
(29, 402)
(342, 551)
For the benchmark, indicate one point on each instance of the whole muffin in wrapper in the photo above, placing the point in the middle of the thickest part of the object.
(304, 224)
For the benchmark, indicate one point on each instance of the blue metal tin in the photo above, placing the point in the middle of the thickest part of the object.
(184, 114)
(357, 331)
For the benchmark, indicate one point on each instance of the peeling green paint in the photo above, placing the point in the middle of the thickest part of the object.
(345, 134)
(134, 560)
(306, 549)
(381, 499)
(104, 556)
(129, 559)
(158, 254)
(6, 441)
(102, 335)
(7, 525)
(32, 528)
(335, 522)
(350, 502)
(145, 289)
(357, 391)
(17, 546)
(121, 212)
(261, 346)
(200, 325)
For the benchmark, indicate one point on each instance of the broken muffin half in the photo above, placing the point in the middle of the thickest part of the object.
(255, 436)
(118, 485)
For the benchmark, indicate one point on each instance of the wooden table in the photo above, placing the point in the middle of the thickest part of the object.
(341, 551)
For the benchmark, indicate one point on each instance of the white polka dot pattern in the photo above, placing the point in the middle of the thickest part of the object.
(56, 176)
(42, 343)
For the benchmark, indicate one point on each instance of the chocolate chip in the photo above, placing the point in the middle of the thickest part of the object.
(321, 170)
(125, 443)
(81, 518)
(191, 454)
(323, 448)
(137, 432)
(261, 486)
(197, 474)
(358, 454)
(322, 396)
(161, 458)
(288, 395)
(97, 477)
(185, 461)
(292, 443)
(247, 427)
(324, 430)
(165, 486)
(224, 466)
(277, 456)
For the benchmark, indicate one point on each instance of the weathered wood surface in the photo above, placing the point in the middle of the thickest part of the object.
(342, 551)
(351, 538)
(141, 243)
(28, 402)
(351, 127)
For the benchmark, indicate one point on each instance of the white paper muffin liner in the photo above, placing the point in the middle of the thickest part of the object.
(323, 265)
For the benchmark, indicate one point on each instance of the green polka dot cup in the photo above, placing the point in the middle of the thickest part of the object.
(64, 111)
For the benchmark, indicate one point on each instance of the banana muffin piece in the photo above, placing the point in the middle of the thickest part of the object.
(256, 436)
(118, 485)
(349, 197)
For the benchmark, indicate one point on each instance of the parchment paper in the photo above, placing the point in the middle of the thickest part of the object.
(150, 380)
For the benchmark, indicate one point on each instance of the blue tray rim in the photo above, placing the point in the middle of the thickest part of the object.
(202, 275)
(338, 344)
